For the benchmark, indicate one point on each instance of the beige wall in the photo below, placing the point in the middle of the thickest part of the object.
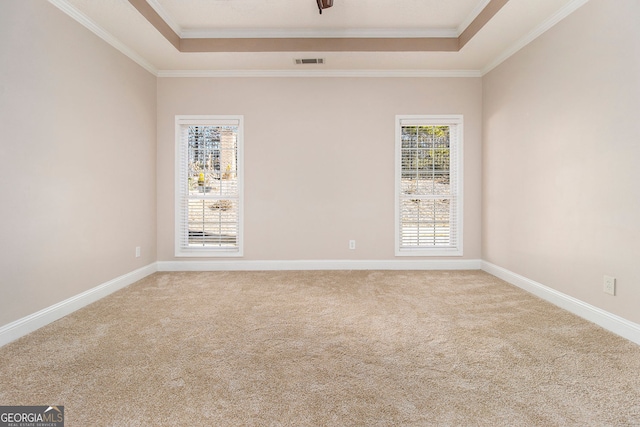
(77, 160)
(553, 188)
(561, 143)
(319, 158)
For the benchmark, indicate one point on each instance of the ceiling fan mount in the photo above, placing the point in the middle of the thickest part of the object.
(324, 4)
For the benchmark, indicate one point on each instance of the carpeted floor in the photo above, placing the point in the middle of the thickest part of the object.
(319, 348)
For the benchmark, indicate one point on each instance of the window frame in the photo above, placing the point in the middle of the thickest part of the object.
(455, 167)
(207, 120)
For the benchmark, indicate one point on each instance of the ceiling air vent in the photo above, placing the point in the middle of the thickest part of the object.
(310, 61)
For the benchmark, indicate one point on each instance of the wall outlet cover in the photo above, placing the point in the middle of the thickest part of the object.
(609, 285)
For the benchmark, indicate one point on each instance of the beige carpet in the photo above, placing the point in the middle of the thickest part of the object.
(345, 348)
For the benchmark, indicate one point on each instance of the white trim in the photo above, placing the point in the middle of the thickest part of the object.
(308, 33)
(319, 73)
(166, 17)
(21, 327)
(472, 16)
(458, 166)
(608, 321)
(81, 18)
(84, 20)
(565, 11)
(208, 120)
(271, 265)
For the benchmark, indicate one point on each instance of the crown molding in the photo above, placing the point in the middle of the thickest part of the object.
(315, 34)
(84, 20)
(166, 16)
(472, 16)
(81, 18)
(319, 73)
(305, 33)
(330, 40)
(565, 11)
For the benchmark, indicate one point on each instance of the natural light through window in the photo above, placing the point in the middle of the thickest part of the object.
(428, 185)
(208, 186)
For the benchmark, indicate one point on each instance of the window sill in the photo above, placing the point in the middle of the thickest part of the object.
(207, 253)
(435, 252)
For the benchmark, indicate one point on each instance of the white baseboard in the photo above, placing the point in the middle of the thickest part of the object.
(21, 327)
(608, 321)
(611, 322)
(240, 265)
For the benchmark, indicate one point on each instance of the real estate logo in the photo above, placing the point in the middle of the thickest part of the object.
(31, 416)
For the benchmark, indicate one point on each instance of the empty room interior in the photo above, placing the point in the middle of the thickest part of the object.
(300, 212)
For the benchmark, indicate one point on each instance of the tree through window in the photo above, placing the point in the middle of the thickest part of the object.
(428, 175)
(209, 186)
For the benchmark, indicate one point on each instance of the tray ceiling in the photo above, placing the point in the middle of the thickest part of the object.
(354, 37)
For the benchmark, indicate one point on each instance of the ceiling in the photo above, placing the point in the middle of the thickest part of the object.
(281, 22)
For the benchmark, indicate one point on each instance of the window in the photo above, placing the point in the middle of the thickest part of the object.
(429, 185)
(209, 185)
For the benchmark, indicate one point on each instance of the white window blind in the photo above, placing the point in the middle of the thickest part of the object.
(428, 185)
(209, 186)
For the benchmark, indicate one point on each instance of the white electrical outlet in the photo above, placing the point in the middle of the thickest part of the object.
(352, 244)
(137, 251)
(609, 285)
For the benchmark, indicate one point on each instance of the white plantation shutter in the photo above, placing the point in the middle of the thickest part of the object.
(428, 185)
(209, 185)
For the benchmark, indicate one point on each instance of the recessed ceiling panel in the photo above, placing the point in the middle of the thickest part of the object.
(122, 25)
(298, 14)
